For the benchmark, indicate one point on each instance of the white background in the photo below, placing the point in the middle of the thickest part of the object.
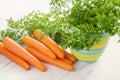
(106, 68)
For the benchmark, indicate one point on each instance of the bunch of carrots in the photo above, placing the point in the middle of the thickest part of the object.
(38, 50)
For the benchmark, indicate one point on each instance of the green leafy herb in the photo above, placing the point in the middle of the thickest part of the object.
(70, 23)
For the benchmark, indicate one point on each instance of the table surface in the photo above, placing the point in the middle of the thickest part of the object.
(106, 68)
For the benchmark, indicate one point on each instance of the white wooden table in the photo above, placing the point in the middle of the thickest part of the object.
(106, 68)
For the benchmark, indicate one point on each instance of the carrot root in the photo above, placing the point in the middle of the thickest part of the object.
(67, 61)
(49, 43)
(56, 62)
(39, 46)
(69, 56)
(14, 57)
(14, 47)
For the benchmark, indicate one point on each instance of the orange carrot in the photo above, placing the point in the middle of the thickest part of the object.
(66, 60)
(53, 45)
(13, 57)
(48, 42)
(12, 46)
(55, 62)
(69, 56)
(39, 46)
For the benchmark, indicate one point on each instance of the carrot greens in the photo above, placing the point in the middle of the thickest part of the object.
(70, 23)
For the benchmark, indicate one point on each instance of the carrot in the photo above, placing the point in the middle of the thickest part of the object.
(12, 46)
(66, 60)
(56, 62)
(69, 56)
(53, 45)
(39, 46)
(48, 42)
(14, 57)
